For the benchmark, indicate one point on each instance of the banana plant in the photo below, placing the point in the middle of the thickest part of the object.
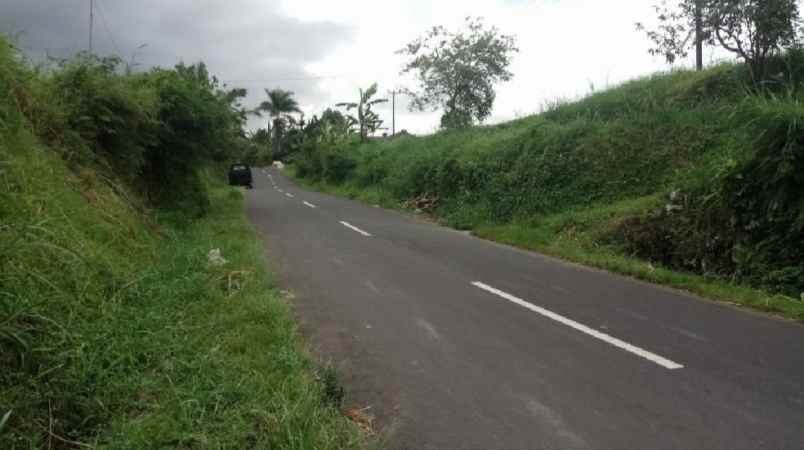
(367, 120)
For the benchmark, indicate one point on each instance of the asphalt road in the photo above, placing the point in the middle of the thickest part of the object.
(453, 342)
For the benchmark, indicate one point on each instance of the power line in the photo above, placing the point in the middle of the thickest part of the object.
(278, 80)
(106, 27)
(42, 49)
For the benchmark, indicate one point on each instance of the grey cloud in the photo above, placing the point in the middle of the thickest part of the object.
(248, 41)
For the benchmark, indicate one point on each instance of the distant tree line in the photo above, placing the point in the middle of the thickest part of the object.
(287, 130)
(455, 71)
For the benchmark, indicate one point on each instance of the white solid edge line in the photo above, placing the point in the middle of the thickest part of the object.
(664, 362)
(309, 204)
(354, 228)
(289, 194)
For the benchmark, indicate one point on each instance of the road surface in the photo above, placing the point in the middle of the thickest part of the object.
(453, 342)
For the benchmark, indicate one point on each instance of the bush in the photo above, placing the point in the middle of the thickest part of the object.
(308, 162)
(108, 118)
(328, 162)
(197, 125)
(155, 130)
(337, 166)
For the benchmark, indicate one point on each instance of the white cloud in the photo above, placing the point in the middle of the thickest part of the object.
(566, 46)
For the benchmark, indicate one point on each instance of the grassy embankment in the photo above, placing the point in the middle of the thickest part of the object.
(115, 331)
(685, 179)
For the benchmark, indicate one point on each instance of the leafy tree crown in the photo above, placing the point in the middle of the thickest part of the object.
(457, 71)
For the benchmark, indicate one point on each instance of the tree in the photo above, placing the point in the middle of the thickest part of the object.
(262, 137)
(330, 128)
(457, 71)
(279, 106)
(294, 134)
(333, 125)
(367, 120)
(754, 30)
(261, 140)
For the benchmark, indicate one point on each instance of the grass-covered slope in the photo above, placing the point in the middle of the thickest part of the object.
(686, 171)
(115, 329)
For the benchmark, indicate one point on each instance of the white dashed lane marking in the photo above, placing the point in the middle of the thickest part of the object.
(666, 363)
(354, 228)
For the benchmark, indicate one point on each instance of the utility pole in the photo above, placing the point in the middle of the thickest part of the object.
(91, 22)
(393, 111)
(698, 35)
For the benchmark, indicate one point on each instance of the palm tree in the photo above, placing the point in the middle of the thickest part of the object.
(366, 119)
(279, 106)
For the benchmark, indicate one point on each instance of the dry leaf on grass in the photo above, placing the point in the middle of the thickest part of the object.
(361, 418)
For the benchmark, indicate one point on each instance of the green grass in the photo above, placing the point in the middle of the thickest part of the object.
(237, 375)
(116, 333)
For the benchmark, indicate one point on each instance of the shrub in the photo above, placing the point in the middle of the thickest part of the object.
(337, 166)
(108, 118)
(154, 130)
(308, 161)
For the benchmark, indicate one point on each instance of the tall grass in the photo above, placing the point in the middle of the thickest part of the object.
(630, 141)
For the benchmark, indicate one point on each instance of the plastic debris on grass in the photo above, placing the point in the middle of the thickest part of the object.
(215, 259)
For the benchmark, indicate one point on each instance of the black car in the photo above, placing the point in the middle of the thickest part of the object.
(240, 175)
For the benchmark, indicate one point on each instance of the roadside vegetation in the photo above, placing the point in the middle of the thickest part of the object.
(135, 310)
(689, 178)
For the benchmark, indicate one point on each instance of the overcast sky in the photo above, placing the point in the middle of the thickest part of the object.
(324, 50)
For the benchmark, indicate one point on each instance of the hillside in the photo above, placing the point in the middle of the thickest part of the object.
(116, 329)
(689, 179)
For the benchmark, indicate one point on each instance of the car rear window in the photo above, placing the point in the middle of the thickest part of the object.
(240, 167)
